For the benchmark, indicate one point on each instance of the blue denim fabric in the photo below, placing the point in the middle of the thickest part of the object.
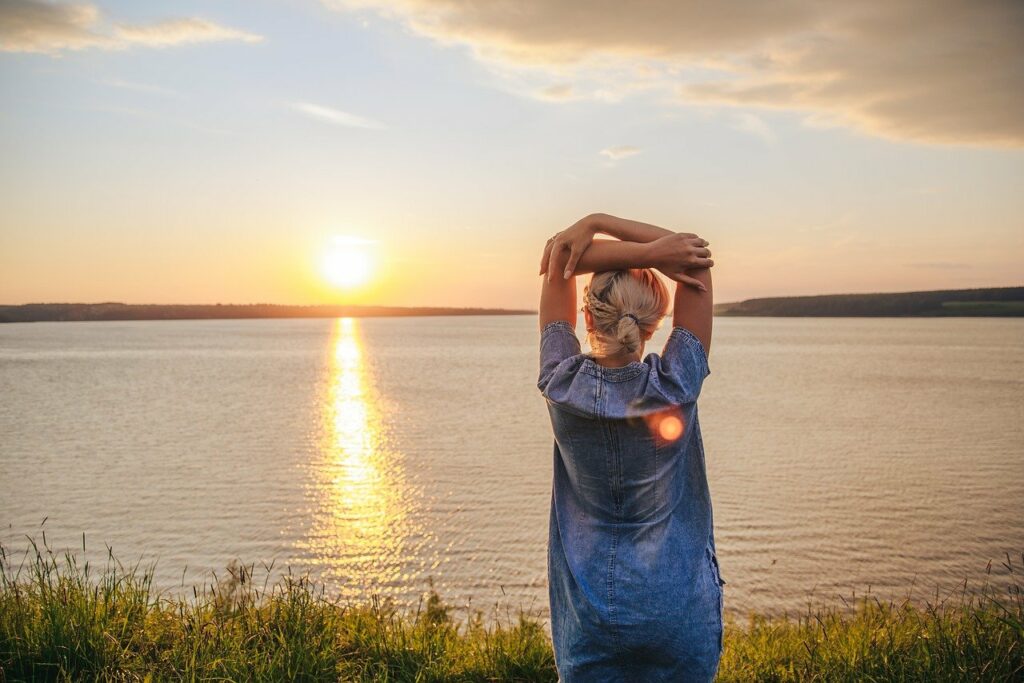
(634, 583)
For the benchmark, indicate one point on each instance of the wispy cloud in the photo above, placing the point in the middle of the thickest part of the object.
(52, 28)
(556, 92)
(179, 31)
(946, 72)
(754, 125)
(146, 88)
(620, 151)
(335, 116)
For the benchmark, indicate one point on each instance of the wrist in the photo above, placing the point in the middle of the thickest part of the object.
(597, 223)
(649, 255)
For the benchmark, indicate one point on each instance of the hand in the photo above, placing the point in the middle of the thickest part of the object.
(674, 254)
(575, 239)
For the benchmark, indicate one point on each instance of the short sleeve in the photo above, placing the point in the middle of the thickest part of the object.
(683, 366)
(558, 341)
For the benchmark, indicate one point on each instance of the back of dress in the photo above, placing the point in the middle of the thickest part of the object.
(633, 577)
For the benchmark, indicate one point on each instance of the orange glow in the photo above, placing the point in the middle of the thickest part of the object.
(667, 425)
(670, 428)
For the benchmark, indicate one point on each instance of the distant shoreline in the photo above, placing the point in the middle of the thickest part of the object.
(986, 302)
(113, 311)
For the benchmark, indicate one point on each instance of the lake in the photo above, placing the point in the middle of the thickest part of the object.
(378, 454)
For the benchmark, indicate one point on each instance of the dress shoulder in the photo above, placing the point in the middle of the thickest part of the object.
(558, 342)
(678, 373)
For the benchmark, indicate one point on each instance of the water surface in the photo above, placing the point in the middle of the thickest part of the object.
(377, 454)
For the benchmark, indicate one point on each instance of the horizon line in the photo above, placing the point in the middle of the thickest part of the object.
(478, 307)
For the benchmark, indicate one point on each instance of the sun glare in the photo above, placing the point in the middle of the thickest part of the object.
(347, 262)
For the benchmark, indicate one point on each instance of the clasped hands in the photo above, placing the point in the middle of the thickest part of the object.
(672, 254)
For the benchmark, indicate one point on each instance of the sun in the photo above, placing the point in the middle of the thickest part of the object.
(347, 263)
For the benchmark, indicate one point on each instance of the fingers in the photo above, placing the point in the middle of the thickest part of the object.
(702, 252)
(570, 265)
(556, 249)
(690, 282)
(702, 263)
(545, 256)
(545, 259)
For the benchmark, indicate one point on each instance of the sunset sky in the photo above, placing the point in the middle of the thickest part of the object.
(201, 152)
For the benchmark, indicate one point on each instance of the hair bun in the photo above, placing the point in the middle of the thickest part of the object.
(609, 295)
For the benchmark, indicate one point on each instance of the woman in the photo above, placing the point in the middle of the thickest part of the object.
(635, 590)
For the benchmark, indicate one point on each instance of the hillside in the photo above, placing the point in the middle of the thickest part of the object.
(997, 301)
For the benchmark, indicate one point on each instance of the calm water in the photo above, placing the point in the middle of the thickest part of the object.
(842, 454)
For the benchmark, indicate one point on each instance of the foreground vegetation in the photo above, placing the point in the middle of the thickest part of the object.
(63, 621)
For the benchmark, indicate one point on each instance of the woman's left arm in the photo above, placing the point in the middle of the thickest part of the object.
(558, 294)
(558, 301)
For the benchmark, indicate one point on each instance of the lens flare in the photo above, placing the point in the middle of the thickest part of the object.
(670, 428)
(667, 425)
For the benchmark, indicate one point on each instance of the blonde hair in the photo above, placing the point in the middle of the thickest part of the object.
(626, 307)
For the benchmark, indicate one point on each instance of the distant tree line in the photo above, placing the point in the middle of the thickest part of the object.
(997, 301)
(994, 301)
(120, 311)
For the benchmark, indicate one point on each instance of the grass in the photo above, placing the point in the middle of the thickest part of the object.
(61, 620)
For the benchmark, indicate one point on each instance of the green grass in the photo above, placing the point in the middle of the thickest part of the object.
(60, 620)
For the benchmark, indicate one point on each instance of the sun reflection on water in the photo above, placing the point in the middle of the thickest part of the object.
(360, 517)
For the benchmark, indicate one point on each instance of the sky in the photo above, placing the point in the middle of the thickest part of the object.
(203, 152)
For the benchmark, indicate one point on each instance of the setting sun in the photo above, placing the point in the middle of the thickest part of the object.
(347, 263)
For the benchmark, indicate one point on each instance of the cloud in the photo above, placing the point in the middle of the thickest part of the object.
(146, 88)
(51, 28)
(933, 71)
(335, 116)
(557, 91)
(179, 31)
(620, 152)
(755, 125)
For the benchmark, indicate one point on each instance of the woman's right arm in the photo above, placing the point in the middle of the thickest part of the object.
(693, 308)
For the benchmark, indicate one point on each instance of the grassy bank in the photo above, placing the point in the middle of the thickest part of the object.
(63, 621)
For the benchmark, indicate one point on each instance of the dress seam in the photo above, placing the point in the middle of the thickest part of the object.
(616, 484)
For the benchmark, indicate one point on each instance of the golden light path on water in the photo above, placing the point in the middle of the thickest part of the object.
(360, 517)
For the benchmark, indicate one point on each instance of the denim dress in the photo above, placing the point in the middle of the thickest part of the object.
(633, 577)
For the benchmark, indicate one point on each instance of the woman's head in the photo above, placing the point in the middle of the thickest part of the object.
(623, 309)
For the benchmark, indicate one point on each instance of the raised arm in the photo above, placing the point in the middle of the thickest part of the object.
(558, 301)
(625, 229)
(693, 308)
(558, 294)
(640, 245)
